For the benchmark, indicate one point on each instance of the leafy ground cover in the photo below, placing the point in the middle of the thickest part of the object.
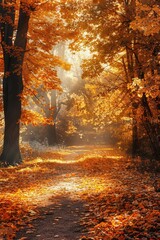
(85, 192)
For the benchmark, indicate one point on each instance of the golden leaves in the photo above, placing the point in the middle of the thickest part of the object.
(126, 209)
(71, 128)
(116, 206)
(35, 118)
(147, 19)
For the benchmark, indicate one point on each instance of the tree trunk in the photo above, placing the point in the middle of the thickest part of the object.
(50, 130)
(135, 140)
(12, 87)
(52, 135)
(13, 53)
(150, 128)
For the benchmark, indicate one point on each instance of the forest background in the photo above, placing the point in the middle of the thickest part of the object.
(77, 72)
(79, 119)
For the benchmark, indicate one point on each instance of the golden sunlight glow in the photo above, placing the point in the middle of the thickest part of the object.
(95, 176)
(39, 187)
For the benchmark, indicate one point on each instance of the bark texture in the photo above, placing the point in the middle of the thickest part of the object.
(14, 46)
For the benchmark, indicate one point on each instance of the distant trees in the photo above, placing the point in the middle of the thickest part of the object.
(127, 32)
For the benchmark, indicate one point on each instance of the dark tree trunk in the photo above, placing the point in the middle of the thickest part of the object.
(13, 53)
(52, 135)
(135, 140)
(150, 128)
(12, 87)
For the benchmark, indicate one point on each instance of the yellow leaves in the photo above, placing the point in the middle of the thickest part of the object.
(71, 128)
(35, 118)
(79, 106)
(92, 88)
(57, 61)
(149, 86)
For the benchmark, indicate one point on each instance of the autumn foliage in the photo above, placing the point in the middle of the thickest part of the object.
(83, 73)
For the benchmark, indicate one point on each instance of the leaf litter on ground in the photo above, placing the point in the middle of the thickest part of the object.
(121, 203)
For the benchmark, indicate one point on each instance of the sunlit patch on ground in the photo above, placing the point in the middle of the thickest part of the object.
(115, 157)
(86, 185)
(98, 175)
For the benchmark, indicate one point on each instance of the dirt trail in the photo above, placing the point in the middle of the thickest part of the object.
(60, 218)
(77, 193)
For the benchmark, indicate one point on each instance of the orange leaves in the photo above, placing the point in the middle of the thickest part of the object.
(35, 118)
(39, 73)
(120, 202)
(150, 22)
(78, 110)
(10, 210)
(12, 217)
(127, 210)
(20, 188)
(118, 222)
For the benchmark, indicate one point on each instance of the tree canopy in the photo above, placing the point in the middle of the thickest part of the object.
(119, 81)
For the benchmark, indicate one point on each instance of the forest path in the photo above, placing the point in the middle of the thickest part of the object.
(63, 205)
(79, 192)
(60, 220)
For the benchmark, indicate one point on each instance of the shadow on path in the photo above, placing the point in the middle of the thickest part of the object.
(60, 221)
